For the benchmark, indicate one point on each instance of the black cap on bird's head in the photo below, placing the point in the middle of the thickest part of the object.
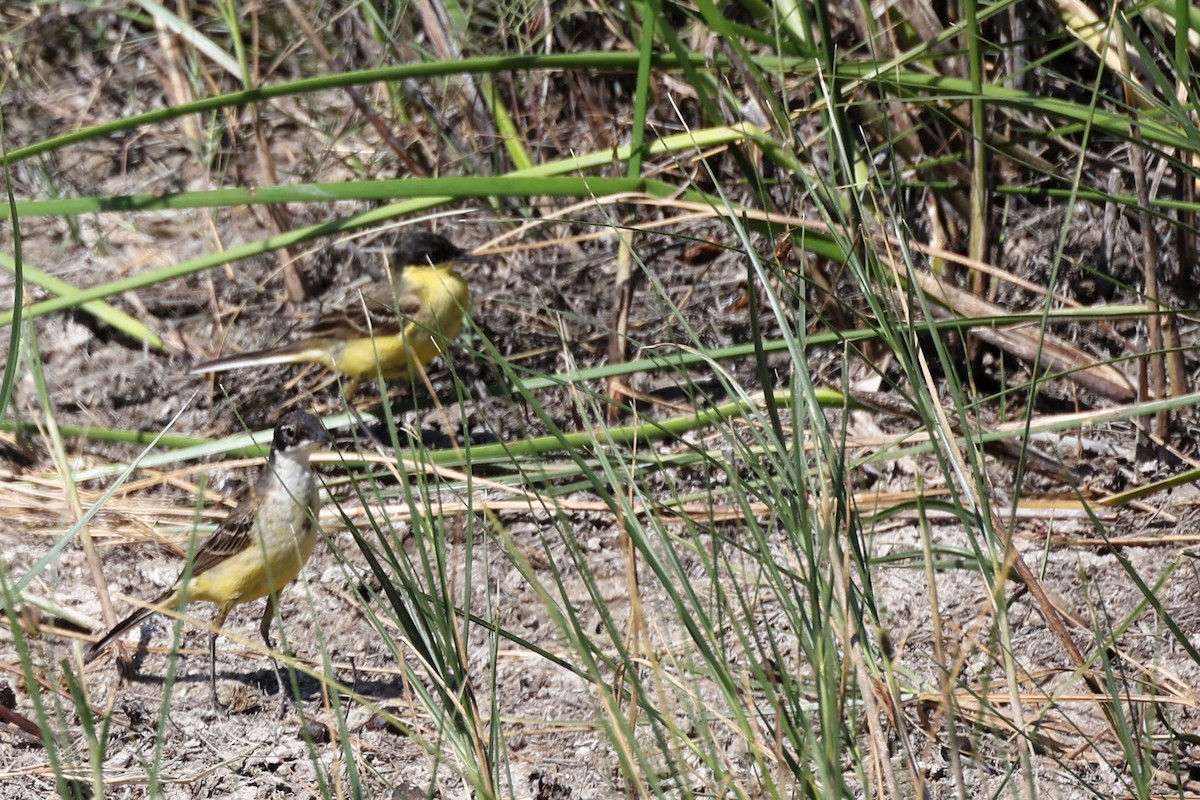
(422, 249)
(298, 430)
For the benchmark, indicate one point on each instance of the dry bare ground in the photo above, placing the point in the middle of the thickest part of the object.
(544, 298)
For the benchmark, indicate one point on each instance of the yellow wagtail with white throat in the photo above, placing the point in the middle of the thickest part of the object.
(256, 550)
(398, 326)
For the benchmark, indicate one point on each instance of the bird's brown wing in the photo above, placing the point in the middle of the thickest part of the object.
(233, 535)
(379, 312)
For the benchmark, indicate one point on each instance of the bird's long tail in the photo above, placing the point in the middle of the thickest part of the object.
(121, 627)
(299, 353)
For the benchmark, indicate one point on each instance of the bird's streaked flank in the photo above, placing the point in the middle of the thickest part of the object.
(259, 548)
(395, 328)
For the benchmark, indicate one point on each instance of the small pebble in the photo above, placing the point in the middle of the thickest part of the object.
(317, 731)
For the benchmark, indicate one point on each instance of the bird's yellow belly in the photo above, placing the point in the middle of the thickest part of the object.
(419, 343)
(393, 354)
(247, 576)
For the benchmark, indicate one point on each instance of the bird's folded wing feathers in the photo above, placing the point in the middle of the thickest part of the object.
(378, 313)
(233, 535)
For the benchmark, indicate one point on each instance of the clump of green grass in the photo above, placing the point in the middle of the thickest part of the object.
(751, 649)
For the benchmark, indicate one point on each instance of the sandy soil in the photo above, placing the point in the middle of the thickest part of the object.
(541, 306)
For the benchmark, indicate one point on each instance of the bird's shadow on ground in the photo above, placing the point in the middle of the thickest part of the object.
(191, 670)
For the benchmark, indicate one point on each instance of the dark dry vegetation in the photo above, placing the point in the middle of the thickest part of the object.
(919, 709)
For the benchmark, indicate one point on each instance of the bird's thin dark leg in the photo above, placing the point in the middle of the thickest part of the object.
(212, 670)
(264, 625)
(218, 623)
(264, 628)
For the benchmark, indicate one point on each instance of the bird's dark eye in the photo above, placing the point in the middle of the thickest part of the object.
(288, 432)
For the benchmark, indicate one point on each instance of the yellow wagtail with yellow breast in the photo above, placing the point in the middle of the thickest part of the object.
(399, 325)
(256, 550)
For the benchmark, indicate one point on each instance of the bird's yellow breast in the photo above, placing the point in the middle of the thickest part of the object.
(281, 540)
(256, 571)
(443, 296)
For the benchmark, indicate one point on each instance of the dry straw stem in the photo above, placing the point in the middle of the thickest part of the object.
(128, 520)
(1106, 40)
(1029, 346)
